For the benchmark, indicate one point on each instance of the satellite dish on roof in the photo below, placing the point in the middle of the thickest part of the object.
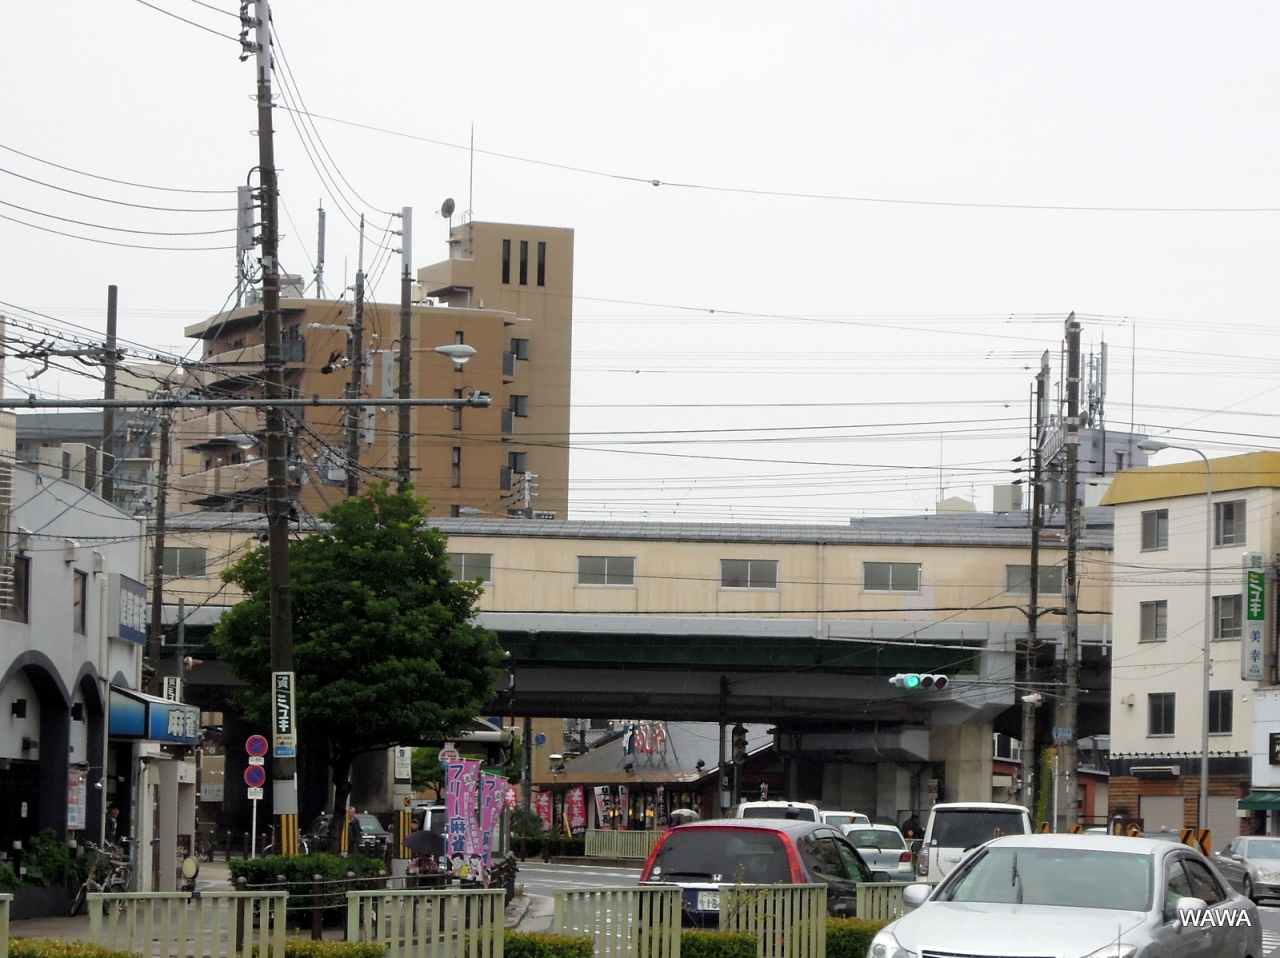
(446, 210)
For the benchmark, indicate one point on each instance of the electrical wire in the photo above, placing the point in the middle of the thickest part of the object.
(116, 229)
(103, 199)
(107, 242)
(108, 179)
(198, 26)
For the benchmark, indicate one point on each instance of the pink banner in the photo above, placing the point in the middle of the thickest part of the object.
(454, 809)
(575, 810)
(624, 806)
(602, 808)
(542, 804)
(491, 794)
(471, 803)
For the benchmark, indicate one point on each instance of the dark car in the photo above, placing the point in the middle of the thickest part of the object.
(373, 837)
(702, 856)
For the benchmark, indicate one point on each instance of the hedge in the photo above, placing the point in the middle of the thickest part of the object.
(299, 872)
(528, 944)
(52, 948)
(851, 937)
(301, 948)
(695, 943)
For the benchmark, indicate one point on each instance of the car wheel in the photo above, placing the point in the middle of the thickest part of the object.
(1248, 889)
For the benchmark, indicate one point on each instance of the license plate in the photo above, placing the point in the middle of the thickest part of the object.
(708, 901)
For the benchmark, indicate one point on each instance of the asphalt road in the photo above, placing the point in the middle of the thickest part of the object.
(1270, 914)
(545, 879)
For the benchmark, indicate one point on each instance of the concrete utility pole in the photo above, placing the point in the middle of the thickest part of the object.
(157, 553)
(1031, 699)
(355, 354)
(1068, 710)
(284, 796)
(108, 486)
(406, 334)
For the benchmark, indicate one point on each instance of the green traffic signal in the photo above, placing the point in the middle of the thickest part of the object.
(912, 681)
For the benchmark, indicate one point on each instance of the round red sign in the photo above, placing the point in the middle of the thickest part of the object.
(257, 745)
(255, 776)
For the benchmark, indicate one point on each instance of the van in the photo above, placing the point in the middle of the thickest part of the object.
(956, 828)
(841, 819)
(787, 811)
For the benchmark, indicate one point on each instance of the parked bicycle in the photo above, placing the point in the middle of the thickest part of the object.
(110, 871)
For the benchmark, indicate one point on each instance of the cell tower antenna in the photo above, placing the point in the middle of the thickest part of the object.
(320, 252)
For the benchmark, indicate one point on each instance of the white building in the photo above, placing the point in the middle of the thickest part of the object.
(1158, 601)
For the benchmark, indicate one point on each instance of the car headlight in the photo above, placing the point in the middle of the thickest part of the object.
(1269, 876)
(884, 945)
(1114, 951)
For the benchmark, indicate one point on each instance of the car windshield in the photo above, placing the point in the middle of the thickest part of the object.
(874, 838)
(722, 855)
(1263, 849)
(368, 823)
(967, 827)
(837, 820)
(1070, 877)
(778, 811)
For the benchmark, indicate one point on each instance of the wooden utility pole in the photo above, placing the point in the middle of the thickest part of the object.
(108, 487)
(284, 796)
(406, 334)
(157, 552)
(1068, 711)
(355, 355)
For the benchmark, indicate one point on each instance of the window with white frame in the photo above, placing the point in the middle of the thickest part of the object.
(1226, 616)
(1228, 523)
(748, 573)
(1018, 580)
(470, 566)
(891, 576)
(607, 570)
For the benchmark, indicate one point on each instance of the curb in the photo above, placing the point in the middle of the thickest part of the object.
(515, 913)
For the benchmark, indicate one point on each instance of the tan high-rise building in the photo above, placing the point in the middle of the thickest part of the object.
(461, 458)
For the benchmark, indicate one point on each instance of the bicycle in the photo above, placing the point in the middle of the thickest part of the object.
(114, 868)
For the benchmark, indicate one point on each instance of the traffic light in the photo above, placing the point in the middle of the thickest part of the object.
(919, 680)
(739, 744)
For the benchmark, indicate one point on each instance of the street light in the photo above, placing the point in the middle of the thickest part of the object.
(1154, 446)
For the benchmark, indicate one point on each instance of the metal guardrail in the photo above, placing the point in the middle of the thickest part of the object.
(608, 843)
(429, 924)
(788, 921)
(624, 922)
(175, 924)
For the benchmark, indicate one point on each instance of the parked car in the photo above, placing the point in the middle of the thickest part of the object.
(1251, 865)
(840, 819)
(883, 848)
(956, 828)
(702, 856)
(1077, 896)
(431, 817)
(789, 811)
(373, 837)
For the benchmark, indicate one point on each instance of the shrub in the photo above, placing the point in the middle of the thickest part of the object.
(851, 937)
(525, 944)
(717, 944)
(49, 863)
(51, 948)
(8, 877)
(300, 870)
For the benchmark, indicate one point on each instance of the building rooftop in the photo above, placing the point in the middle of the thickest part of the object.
(1253, 470)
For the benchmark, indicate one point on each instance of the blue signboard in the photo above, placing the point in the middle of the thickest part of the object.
(172, 722)
(126, 609)
(128, 716)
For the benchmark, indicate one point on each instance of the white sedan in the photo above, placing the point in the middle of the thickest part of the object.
(1076, 896)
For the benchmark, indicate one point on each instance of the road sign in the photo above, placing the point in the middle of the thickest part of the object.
(1253, 650)
(257, 745)
(255, 776)
(255, 795)
(284, 728)
(257, 760)
(540, 739)
(448, 754)
(1062, 733)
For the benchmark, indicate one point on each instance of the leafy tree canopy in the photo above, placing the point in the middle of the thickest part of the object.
(384, 646)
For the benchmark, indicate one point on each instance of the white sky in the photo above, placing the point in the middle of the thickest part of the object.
(904, 336)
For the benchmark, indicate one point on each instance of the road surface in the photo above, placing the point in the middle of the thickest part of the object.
(546, 879)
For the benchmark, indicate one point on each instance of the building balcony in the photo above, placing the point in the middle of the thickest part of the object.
(225, 484)
(222, 429)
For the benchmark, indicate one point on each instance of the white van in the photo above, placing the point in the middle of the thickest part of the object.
(841, 819)
(956, 828)
(789, 811)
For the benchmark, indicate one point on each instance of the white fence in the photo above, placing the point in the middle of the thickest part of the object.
(429, 923)
(626, 922)
(788, 921)
(178, 924)
(608, 843)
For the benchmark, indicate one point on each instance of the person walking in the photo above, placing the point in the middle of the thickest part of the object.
(113, 824)
(911, 829)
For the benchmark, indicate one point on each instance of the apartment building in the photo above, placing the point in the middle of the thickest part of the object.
(509, 299)
(1157, 710)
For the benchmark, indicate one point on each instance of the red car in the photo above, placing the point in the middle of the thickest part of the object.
(758, 851)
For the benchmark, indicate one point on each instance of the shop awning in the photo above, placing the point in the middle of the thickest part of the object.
(133, 714)
(1261, 801)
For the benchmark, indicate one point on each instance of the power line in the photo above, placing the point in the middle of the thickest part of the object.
(103, 199)
(116, 229)
(108, 179)
(106, 242)
(198, 26)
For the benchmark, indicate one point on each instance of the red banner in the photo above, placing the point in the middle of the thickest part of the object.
(542, 804)
(575, 810)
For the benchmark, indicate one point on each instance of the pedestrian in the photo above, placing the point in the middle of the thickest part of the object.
(113, 824)
(354, 833)
(911, 828)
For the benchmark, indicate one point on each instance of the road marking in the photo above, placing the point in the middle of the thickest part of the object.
(567, 884)
(1270, 941)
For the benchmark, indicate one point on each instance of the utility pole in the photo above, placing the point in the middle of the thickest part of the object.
(284, 797)
(320, 250)
(244, 232)
(108, 487)
(157, 553)
(355, 355)
(1031, 699)
(406, 332)
(1069, 708)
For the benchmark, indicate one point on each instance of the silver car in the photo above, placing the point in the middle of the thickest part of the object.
(882, 848)
(1252, 865)
(1076, 896)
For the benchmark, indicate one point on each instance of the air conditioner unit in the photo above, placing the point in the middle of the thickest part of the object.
(1155, 771)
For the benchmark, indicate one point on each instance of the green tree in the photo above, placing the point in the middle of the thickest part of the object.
(384, 646)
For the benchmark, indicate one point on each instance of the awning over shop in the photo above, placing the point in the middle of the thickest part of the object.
(1261, 801)
(137, 715)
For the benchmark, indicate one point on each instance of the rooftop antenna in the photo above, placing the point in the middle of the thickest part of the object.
(446, 210)
(320, 253)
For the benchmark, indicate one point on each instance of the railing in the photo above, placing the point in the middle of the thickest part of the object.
(880, 901)
(788, 921)
(5, 901)
(607, 843)
(429, 924)
(175, 924)
(627, 922)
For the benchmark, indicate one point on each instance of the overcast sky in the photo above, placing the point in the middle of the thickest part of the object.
(859, 353)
